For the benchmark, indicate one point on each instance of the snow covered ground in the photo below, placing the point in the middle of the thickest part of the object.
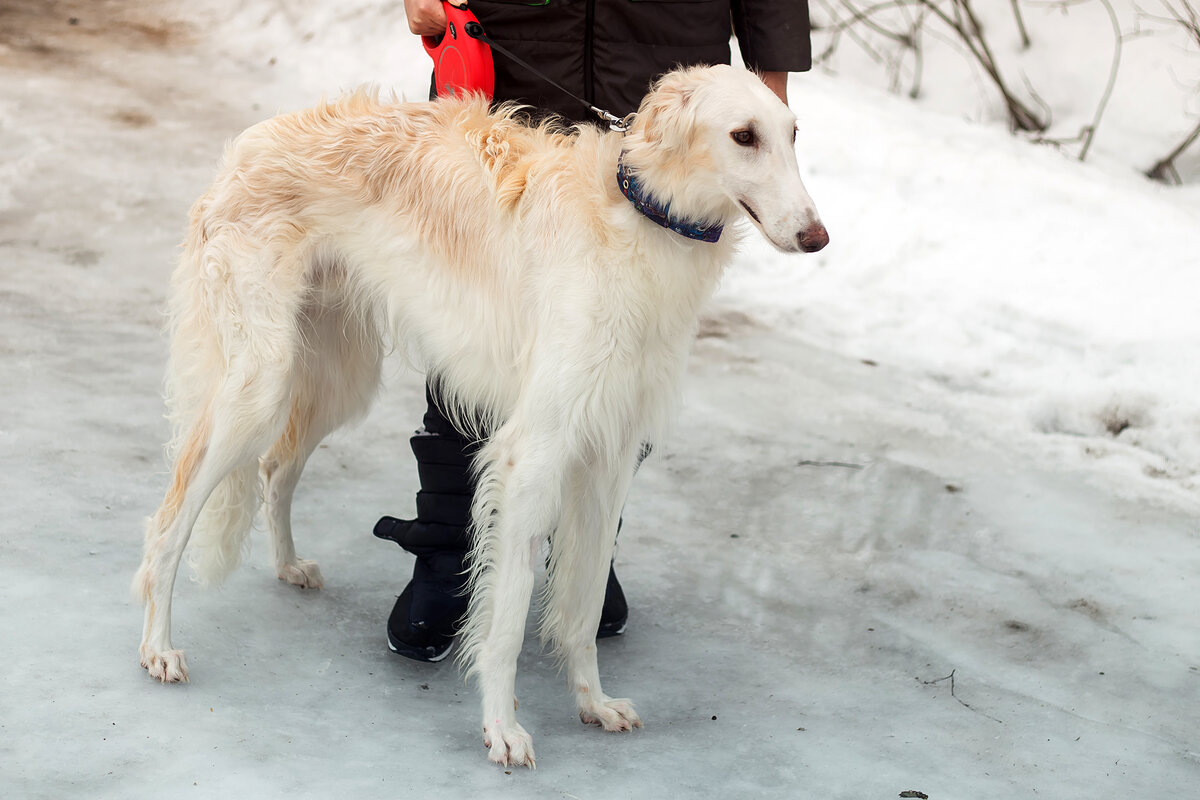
(963, 440)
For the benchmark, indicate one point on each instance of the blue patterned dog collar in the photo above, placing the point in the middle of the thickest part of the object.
(645, 203)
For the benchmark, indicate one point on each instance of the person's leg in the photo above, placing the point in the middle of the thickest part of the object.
(614, 616)
(615, 613)
(427, 613)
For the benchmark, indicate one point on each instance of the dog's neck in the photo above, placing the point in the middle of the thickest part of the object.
(658, 212)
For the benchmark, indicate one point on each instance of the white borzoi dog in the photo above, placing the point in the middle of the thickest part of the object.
(509, 263)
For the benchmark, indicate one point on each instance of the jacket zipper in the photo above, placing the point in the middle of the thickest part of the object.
(589, 91)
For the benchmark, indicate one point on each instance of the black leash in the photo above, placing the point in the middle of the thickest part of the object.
(615, 123)
(642, 200)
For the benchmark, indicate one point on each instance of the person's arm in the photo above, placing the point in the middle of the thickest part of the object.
(774, 38)
(777, 83)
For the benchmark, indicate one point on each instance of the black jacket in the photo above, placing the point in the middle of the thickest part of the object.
(608, 51)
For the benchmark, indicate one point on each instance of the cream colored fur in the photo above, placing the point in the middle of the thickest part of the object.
(505, 262)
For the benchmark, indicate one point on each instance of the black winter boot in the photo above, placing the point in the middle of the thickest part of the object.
(426, 615)
(615, 614)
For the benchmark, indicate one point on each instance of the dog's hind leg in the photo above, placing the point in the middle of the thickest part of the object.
(243, 417)
(581, 550)
(336, 378)
(280, 470)
(517, 503)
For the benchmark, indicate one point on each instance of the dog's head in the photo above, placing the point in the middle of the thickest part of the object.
(715, 142)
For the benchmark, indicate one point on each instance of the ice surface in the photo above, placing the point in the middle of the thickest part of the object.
(962, 440)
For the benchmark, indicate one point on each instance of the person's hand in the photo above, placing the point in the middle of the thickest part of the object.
(775, 81)
(425, 17)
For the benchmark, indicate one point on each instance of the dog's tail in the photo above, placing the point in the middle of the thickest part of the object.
(219, 540)
(196, 367)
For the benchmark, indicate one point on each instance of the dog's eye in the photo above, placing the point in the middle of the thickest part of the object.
(743, 137)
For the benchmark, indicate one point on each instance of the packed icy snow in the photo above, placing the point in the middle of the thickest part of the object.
(927, 523)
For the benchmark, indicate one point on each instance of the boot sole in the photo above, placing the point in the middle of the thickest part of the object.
(416, 653)
(609, 631)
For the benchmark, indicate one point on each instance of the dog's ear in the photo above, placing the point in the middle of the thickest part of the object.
(666, 118)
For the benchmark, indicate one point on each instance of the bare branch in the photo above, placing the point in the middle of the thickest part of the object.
(918, 56)
(865, 16)
(1041, 101)
(1025, 43)
(1112, 79)
(1165, 170)
(967, 26)
(1187, 18)
(889, 30)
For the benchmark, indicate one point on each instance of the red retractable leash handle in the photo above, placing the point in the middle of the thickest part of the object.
(461, 63)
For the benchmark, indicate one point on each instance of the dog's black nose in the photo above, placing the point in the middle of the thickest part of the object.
(813, 238)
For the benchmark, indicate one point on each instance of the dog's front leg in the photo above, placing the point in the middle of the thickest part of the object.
(517, 504)
(582, 549)
(496, 661)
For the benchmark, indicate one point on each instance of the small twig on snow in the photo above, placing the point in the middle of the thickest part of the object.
(964, 703)
(845, 464)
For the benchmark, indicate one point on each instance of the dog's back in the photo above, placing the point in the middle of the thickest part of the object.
(424, 163)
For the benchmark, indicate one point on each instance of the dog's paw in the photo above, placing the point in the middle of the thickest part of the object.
(509, 745)
(612, 715)
(168, 666)
(304, 573)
